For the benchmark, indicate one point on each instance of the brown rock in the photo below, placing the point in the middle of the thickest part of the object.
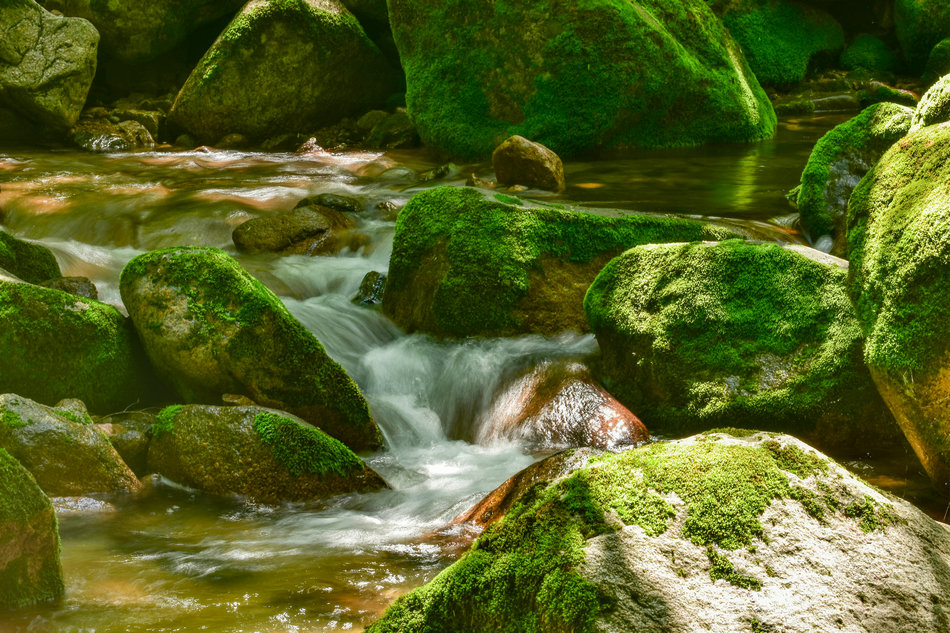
(559, 405)
(77, 286)
(518, 161)
(309, 230)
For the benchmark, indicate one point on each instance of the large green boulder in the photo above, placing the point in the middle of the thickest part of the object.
(899, 239)
(920, 25)
(934, 106)
(781, 39)
(938, 62)
(283, 66)
(30, 569)
(66, 453)
(264, 454)
(697, 336)
(135, 31)
(47, 64)
(837, 164)
(871, 54)
(741, 532)
(211, 328)
(55, 345)
(27, 261)
(467, 262)
(574, 75)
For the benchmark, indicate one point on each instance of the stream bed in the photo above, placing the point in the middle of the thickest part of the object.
(173, 559)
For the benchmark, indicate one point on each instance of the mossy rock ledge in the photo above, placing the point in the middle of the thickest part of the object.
(837, 164)
(66, 453)
(311, 63)
(574, 76)
(726, 532)
(264, 454)
(211, 328)
(696, 336)
(467, 262)
(30, 568)
(899, 237)
(55, 345)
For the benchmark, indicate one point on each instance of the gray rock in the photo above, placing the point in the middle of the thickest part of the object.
(78, 286)
(47, 63)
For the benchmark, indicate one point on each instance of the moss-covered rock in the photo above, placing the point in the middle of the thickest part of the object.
(870, 53)
(47, 64)
(54, 345)
(900, 245)
(134, 31)
(210, 328)
(574, 76)
(838, 163)
(938, 62)
(920, 25)
(30, 569)
(782, 40)
(311, 64)
(698, 336)
(466, 262)
(30, 262)
(264, 454)
(934, 106)
(65, 452)
(638, 541)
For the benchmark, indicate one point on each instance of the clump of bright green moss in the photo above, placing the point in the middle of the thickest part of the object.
(696, 336)
(304, 449)
(165, 421)
(934, 107)
(574, 75)
(11, 419)
(462, 262)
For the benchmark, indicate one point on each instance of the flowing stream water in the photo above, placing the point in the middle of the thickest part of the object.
(176, 560)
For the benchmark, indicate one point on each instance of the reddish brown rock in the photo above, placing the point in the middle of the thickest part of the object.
(518, 161)
(559, 405)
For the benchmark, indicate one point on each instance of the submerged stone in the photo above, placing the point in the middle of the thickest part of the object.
(720, 532)
(838, 162)
(900, 243)
(468, 262)
(211, 328)
(30, 568)
(574, 76)
(264, 454)
(698, 336)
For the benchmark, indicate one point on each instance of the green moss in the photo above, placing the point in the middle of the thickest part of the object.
(868, 134)
(734, 333)
(165, 422)
(500, 197)
(920, 25)
(882, 93)
(721, 567)
(795, 460)
(305, 449)
(74, 417)
(938, 62)
(734, 432)
(783, 40)
(870, 515)
(11, 419)
(575, 75)
(870, 53)
(934, 107)
(30, 262)
(491, 248)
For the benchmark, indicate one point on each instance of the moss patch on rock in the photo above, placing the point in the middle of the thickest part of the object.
(870, 53)
(696, 336)
(304, 449)
(30, 262)
(467, 263)
(934, 106)
(574, 75)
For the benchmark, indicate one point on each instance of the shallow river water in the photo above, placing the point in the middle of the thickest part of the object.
(175, 560)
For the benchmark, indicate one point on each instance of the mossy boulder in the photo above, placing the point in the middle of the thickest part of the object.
(920, 25)
(467, 262)
(715, 532)
(837, 164)
(30, 568)
(211, 328)
(783, 40)
(55, 345)
(697, 336)
(870, 53)
(66, 453)
(934, 106)
(311, 64)
(574, 76)
(900, 284)
(938, 62)
(135, 32)
(264, 454)
(30, 262)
